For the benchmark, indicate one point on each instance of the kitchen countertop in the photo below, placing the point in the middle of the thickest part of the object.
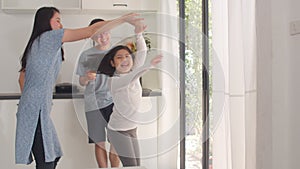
(79, 95)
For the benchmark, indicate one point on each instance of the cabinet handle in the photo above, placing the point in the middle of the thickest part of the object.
(117, 4)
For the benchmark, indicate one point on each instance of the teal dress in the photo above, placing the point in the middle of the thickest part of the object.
(43, 64)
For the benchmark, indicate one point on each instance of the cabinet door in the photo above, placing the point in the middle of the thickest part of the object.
(111, 4)
(150, 5)
(120, 5)
(30, 5)
(97, 4)
(67, 4)
(25, 4)
(8, 110)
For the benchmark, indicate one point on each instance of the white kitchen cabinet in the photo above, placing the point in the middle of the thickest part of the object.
(31, 5)
(14, 6)
(121, 5)
(78, 154)
(69, 120)
(8, 110)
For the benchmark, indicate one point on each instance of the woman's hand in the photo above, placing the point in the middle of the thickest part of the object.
(131, 18)
(22, 79)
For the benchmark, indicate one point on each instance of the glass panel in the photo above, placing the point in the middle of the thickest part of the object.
(193, 84)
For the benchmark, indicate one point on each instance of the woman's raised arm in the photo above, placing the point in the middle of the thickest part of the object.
(71, 35)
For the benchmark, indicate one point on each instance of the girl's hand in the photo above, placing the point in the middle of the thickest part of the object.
(132, 19)
(156, 60)
(139, 27)
(90, 75)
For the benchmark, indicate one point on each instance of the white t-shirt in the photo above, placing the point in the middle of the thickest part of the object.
(126, 91)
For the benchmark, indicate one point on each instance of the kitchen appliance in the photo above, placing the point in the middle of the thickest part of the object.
(66, 88)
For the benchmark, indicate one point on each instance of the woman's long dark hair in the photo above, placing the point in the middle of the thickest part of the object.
(105, 66)
(41, 25)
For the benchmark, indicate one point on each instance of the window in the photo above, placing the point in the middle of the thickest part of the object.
(195, 46)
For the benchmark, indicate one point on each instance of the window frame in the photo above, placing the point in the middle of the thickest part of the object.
(205, 83)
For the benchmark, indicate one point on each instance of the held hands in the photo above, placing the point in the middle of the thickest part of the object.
(156, 60)
(139, 27)
(132, 19)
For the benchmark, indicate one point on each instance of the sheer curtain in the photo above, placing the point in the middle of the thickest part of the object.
(234, 42)
(168, 122)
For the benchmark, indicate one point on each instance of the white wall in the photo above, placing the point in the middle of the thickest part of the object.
(264, 86)
(278, 85)
(286, 81)
(294, 88)
(281, 139)
(15, 32)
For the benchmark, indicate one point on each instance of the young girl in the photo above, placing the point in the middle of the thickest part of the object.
(125, 70)
(41, 61)
(97, 97)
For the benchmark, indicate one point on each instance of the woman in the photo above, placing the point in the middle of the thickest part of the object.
(41, 62)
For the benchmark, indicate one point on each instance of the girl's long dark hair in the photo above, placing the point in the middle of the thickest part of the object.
(41, 25)
(105, 66)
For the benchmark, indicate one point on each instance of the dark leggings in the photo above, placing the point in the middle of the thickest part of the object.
(38, 151)
(126, 145)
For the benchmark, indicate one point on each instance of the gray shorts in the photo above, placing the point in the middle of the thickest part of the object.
(97, 122)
